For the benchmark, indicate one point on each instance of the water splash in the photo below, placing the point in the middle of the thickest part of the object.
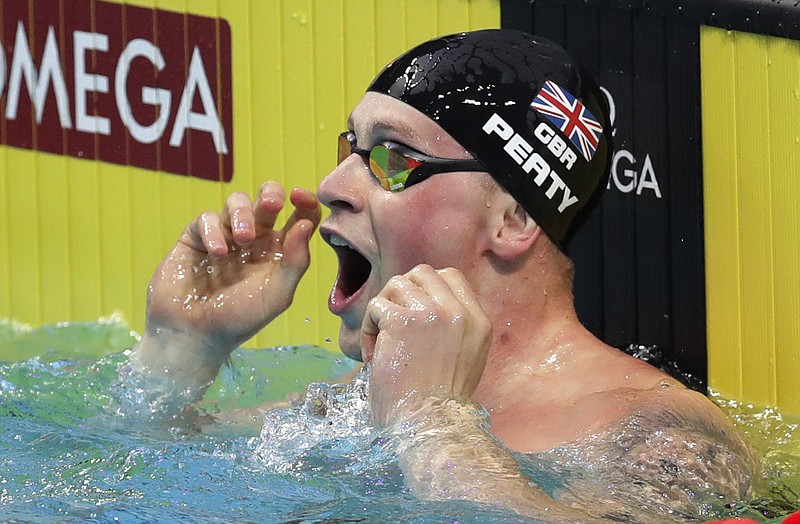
(335, 416)
(776, 438)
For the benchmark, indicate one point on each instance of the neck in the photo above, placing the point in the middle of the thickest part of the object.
(534, 322)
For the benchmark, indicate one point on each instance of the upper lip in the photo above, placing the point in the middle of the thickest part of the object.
(335, 239)
(339, 241)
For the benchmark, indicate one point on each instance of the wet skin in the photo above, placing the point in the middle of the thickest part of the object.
(447, 288)
(440, 222)
(452, 220)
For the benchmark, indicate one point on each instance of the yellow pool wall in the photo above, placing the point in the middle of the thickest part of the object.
(751, 151)
(80, 239)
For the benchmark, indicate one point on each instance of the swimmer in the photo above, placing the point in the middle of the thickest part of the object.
(460, 174)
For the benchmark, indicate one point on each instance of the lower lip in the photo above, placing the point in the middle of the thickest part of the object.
(339, 304)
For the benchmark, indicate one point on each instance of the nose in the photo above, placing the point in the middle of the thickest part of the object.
(346, 187)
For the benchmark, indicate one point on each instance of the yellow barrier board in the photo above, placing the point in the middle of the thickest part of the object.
(85, 220)
(751, 146)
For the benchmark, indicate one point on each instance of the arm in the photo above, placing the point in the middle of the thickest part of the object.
(228, 276)
(675, 456)
(426, 340)
(446, 452)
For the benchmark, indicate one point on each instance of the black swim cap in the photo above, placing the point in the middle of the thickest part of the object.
(520, 105)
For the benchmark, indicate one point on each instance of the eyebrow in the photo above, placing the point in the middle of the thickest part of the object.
(399, 129)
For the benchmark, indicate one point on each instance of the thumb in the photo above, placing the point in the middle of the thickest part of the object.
(296, 254)
(374, 317)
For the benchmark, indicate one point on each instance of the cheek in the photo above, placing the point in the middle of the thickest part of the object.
(432, 230)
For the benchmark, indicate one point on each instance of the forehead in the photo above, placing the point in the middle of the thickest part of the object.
(380, 117)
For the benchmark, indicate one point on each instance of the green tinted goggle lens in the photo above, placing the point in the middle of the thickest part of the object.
(390, 167)
(393, 165)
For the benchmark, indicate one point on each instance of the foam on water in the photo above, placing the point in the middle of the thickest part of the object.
(336, 415)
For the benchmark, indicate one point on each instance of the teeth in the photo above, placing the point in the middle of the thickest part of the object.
(339, 241)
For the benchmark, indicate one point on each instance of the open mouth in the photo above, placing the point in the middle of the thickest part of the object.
(354, 270)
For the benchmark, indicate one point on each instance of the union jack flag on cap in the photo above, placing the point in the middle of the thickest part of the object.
(570, 116)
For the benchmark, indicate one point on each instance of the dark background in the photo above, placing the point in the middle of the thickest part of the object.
(639, 255)
(639, 258)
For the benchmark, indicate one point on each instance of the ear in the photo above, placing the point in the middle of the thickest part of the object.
(516, 234)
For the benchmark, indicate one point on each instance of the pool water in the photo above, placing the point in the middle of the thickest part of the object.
(80, 444)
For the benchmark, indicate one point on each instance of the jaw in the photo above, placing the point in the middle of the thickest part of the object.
(350, 341)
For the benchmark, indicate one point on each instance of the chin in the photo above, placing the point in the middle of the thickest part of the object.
(350, 342)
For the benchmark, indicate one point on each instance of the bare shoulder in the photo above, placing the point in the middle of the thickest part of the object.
(669, 404)
(608, 392)
(669, 452)
(640, 392)
(673, 435)
(668, 410)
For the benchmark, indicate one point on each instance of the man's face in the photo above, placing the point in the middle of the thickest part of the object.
(378, 234)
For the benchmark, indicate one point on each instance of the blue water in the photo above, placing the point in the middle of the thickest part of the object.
(75, 447)
(78, 444)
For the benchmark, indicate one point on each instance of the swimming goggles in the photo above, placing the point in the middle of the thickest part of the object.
(397, 167)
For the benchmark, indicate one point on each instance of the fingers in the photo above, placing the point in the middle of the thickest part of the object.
(206, 234)
(242, 221)
(375, 319)
(434, 282)
(438, 291)
(297, 233)
(461, 290)
(268, 204)
(215, 233)
(408, 293)
(424, 293)
(445, 287)
(238, 217)
(441, 293)
(306, 207)
(425, 334)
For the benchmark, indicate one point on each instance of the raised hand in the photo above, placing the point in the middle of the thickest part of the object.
(228, 276)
